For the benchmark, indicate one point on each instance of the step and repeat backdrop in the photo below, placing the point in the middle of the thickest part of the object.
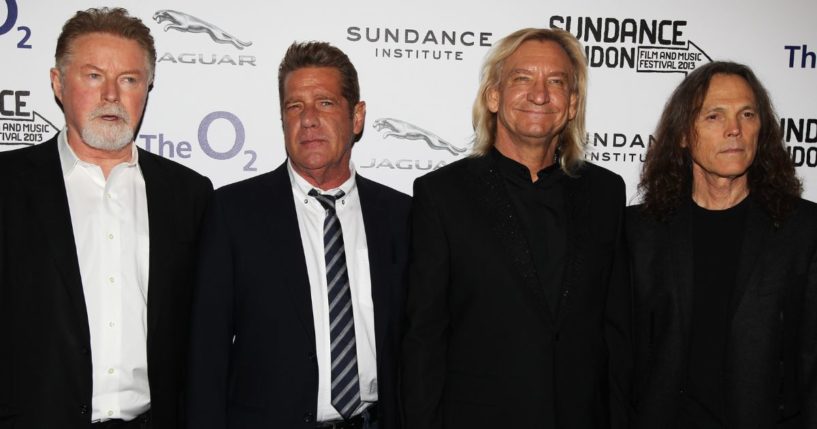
(214, 105)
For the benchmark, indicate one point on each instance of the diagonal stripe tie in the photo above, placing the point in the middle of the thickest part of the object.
(345, 382)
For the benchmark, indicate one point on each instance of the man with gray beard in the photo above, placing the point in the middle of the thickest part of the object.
(97, 243)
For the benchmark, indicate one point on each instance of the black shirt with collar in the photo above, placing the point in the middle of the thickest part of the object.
(541, 209)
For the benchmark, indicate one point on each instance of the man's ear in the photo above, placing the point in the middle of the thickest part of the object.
(359, 117)
(492, 99)
(56, 83)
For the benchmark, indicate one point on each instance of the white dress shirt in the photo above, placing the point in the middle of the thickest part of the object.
(110, 221)
(311, 215)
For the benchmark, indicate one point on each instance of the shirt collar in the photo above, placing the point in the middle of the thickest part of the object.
(301, 187)
(514, 170)
(69, 159)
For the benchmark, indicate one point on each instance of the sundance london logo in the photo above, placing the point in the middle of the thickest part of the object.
(19, 125)
(643, 45)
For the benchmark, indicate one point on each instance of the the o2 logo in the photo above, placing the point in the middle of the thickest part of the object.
(11, 20)
(157, 143)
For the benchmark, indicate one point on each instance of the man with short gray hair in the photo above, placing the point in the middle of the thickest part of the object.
(97, 241)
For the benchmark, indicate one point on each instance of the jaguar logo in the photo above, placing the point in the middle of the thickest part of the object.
(390, 127)
(185, 23)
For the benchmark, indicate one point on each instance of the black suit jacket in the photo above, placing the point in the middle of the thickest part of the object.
(770, 368)
(45, 360)
(483, 349)
(253, 341)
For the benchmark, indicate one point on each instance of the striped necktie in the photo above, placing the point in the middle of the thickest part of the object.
(345, 384)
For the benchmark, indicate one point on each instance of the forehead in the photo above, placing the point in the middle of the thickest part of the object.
(539, 54)
(725, 88)
(105, 47)
(327, 79)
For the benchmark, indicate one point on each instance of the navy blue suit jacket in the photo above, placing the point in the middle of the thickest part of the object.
(253, 340)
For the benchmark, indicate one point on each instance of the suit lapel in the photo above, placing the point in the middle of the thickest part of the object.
(755, 237)
(284, 237)
(576, 203)
(490, 191)
(681, 263)
(50, 205)
(161, 228)
(381, 254)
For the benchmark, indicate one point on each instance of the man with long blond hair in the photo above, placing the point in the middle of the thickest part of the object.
(517, 312)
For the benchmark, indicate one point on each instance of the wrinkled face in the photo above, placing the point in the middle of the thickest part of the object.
(103, 89)
(533, 100)
(319, 125)
(727, 129)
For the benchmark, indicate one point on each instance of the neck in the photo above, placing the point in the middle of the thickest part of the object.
(106, 160)
(534, 156)
(718, 193)
(323, 179)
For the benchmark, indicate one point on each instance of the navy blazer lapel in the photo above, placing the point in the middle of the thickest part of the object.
(284, 236)
(161, 228)
(755, 237)
(381, 253)
(489, 189)
(680, 262)
(50, 206)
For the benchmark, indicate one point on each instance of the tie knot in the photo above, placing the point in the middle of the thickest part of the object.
(326, 200)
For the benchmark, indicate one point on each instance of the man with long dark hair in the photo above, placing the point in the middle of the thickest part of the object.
(724, 265)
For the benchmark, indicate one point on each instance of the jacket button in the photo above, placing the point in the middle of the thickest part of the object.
(84, 350)
(311, 355)
(83, 409)
(309, 418)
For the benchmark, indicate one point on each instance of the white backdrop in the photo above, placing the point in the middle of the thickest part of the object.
(214, 106)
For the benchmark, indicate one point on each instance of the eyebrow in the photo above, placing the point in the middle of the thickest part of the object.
(520, 70)
(94, 67)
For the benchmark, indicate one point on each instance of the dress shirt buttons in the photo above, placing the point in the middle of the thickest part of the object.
(111, 280)
(110, 236)
(109, 413)
(110, 370)
(111, 324)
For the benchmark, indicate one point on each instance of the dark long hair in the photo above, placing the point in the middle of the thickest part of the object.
(666, 179)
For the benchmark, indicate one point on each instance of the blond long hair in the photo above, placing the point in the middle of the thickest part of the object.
(571, 141)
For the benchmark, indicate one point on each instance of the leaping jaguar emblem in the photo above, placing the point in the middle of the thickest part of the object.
(190, 24)
(391, 127)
